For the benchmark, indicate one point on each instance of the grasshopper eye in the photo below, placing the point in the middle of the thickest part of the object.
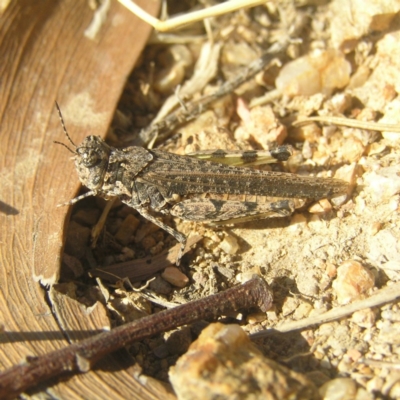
(90, 158)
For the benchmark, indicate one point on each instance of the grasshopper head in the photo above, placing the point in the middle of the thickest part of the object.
(91, 161)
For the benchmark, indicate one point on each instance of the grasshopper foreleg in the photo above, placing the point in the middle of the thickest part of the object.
(180, 237)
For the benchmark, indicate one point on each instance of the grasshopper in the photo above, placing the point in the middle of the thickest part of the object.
(194, 188)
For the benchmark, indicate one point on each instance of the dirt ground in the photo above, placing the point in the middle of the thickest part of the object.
(344, 62)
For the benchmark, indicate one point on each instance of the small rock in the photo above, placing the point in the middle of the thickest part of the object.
(389, 332)
(307, 283)
(376, 148)
(272, 315)
(179, 341)
(353, 354)
(383, 183)
(127, 254)
(226, 272)
(255, 318)
(263, 126)
(340, 102)
(289, 306)
(339, 341)
(359, 77)
(144, 230)
(331, 270)
(384, 246)
(371, 15)
(223, 363)
(394, 392)
(200, 278)
(345, 366)
(160, 286)
(391, 315)
(126, 230)
(318, 72)
(343, 389)
(148, 242)
(364, 318)
(237, 53)
(243, 110)
(374, 93)
(243, 277)
(229, 245)
(308, 132)
(113, 225)
(375, 384)
(321, 207)
(302, 311)
(351, 150)
(157, 248)
(175, 277)
(177, 58)
(375, 227)
(307, 151)
(347, 173)
(352, 280)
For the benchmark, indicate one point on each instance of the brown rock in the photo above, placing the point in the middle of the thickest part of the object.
(352, 149)
(343, 388)
(179, 341)
(175, 277)
(229, 245)
(371, 15)
(148, 242)
(263, 126)
(160, 286)
(318, 72)
(321, 207)
(223, 363)
(126, 230)
(353, 279)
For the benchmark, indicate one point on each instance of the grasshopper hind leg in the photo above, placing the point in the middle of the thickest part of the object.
(221, 212)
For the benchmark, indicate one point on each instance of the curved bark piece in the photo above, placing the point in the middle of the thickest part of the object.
(46, 57)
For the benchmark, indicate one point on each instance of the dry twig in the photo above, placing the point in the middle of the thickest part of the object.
(80, 357)
(195, 108)
(383, 296)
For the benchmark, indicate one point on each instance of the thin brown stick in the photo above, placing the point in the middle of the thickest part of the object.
(191, 110)
(383, 296)
(80, 357)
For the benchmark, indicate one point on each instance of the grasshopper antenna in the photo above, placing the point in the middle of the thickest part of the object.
(65, 131)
